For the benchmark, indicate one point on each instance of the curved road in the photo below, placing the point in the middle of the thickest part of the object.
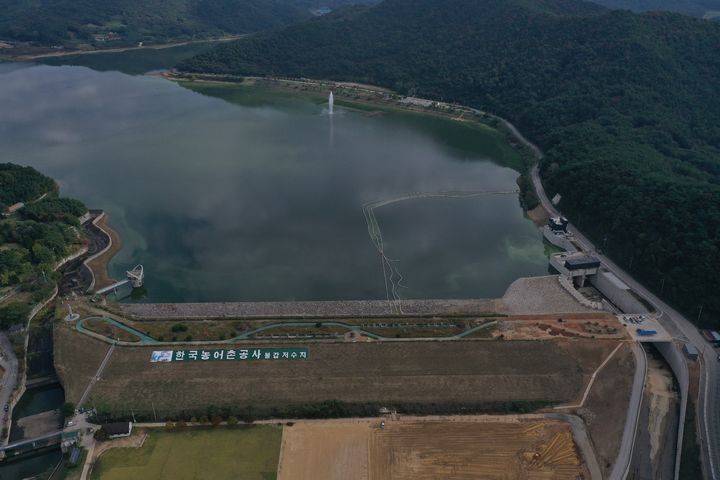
(678, 326)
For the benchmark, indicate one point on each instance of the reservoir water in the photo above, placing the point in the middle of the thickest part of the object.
(241, 194)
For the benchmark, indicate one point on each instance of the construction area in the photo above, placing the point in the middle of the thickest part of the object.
(461, 448)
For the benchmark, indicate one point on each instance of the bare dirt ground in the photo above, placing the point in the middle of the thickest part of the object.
(397, 372)
(662, 397)
(419, 449)
(324, 451)
(538, 216)
(99, 265)
(574, 325)
(41, 423)
(606, 406)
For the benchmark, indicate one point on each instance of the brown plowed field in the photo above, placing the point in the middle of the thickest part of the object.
(422, 450)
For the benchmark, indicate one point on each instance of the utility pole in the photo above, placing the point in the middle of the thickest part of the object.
(154, 414)
(700, 313)
(662, 286)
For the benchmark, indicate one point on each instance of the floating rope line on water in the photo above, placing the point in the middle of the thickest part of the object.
(391, 273)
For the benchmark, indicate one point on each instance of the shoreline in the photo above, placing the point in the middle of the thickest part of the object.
(349, 94)
(381, 100)
(160, 46)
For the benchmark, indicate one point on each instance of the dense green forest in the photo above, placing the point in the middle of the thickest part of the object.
(50, 22)
(624, 106)
(696, 8)
(19, 184)
(32, 240)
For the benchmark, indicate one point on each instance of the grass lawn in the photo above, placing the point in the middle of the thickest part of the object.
(243, 453)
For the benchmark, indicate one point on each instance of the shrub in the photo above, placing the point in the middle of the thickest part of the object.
(216, 420)
(232, 421)
(179, 327)
(68, 409)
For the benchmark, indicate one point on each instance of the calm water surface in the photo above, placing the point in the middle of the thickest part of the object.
(236, 194)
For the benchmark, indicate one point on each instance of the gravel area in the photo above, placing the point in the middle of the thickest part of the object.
(540, 295)
(524, 296)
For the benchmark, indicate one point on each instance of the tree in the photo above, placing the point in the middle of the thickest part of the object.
(14, 313)
(68, 409)
(216, 420)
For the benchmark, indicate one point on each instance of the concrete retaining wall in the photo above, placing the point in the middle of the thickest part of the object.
(558, 240)
(622, 298)
(675, 358)
(567, 284)
(93, 257)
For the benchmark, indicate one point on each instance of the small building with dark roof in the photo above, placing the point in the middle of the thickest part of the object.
(581, 262)
(576, 266)
(118, 429)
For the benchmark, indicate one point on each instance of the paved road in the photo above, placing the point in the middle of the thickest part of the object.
(621, 467)
(9, 363)
(678, 326)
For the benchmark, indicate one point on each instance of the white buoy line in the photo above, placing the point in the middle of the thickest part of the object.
(391, 273)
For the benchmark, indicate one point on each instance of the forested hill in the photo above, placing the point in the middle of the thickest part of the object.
(108, 22)
(698, 8)
(33, 239)
(625, 107)
(22, 184)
